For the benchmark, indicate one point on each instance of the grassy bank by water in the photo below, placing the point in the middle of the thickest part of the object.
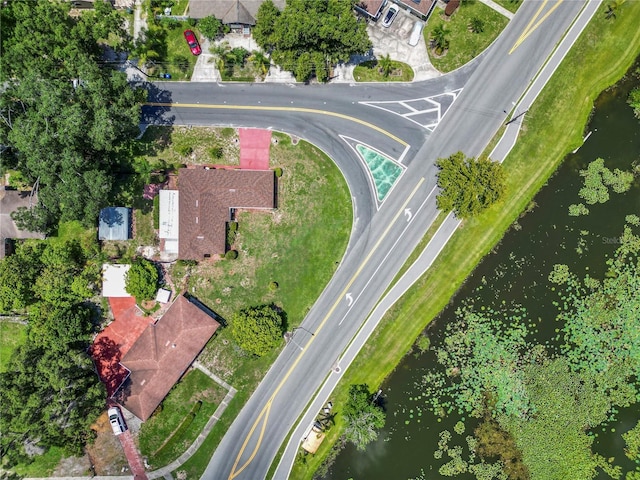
(553, 127)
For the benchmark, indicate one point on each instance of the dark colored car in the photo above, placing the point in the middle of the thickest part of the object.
(390, 16)
(191, 39)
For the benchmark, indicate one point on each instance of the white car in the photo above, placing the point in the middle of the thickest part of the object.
(390, 16)
(116, 421)
(416, 33)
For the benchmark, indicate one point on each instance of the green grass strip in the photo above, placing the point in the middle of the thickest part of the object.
(553, 127)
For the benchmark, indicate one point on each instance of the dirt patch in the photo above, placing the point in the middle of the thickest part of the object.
(73, 467)
(106, 453)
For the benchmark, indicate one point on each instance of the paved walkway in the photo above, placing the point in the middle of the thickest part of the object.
(255, 144)
(165, 472)
(133, 456)
(498, 8)
(138, 22)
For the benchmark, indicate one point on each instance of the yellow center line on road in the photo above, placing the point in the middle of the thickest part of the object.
(282, 109)
(529, 28)
(264, 414)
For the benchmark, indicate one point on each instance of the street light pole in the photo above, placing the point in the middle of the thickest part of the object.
(302, 328)
(288, 336)
(516, 117)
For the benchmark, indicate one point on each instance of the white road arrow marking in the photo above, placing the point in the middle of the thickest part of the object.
(408, 214)
(349, 299)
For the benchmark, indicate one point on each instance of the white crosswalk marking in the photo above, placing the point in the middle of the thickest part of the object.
(426, 112)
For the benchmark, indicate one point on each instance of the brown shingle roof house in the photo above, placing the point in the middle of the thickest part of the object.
(206, 197)
(231, 12)
(161, 355)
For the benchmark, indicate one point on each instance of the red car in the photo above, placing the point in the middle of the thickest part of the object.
(191, 39)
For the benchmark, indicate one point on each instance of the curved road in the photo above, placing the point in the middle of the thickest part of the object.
(384, 234)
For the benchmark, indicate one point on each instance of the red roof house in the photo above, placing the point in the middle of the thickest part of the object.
(161, 355)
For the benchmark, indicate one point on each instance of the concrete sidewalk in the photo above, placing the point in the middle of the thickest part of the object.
(498, 8)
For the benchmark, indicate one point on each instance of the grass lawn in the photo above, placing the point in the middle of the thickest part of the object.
(553, 127)
(181, 418)
(179, 61)
(511, 5)
(173, 146)
(43, 466)
(370, 72)
(464, 45)
(299, 246)
(12, 335)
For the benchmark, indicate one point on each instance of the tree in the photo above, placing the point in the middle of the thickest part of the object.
(64, 116)
(257, 330)
(142, 279)
(634, 101)
(613, 8)
(440, 38)
(476, 25)
(260, 61)
(48, 398)
(266, 20)
(468, 186)
(386, 65)
(362, 417)
(210, 27)
(18, 274)
(304, 68)
(323, 29)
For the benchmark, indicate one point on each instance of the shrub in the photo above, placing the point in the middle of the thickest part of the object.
(231, 255)
(192, 22)
(184, 150)
(181, 62)
(216, 152)
(142, 279)
(257, 330)
(170, 23)
(156, 212)
(210, 27)
(273, 286)
(278, 171)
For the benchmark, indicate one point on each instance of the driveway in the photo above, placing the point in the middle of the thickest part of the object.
(393, 41)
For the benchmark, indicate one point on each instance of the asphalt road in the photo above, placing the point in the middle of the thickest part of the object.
(383, 235)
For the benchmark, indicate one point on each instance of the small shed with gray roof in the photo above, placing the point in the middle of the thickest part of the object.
(115, 224)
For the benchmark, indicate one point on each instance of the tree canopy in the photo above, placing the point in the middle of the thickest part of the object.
(64, 114)
(142, 279)
(257, 330)
(210, 27)
(50, 393)
(468, 186)
(56, 273)
(362, 416)
(309, 35)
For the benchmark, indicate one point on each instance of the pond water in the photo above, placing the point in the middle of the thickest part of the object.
(516, 274)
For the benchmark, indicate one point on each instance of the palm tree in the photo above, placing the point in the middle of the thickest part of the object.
(220, 51)
(260, 61)
(476, 25)
(612, 8)
(386, 65)
(439, 38)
